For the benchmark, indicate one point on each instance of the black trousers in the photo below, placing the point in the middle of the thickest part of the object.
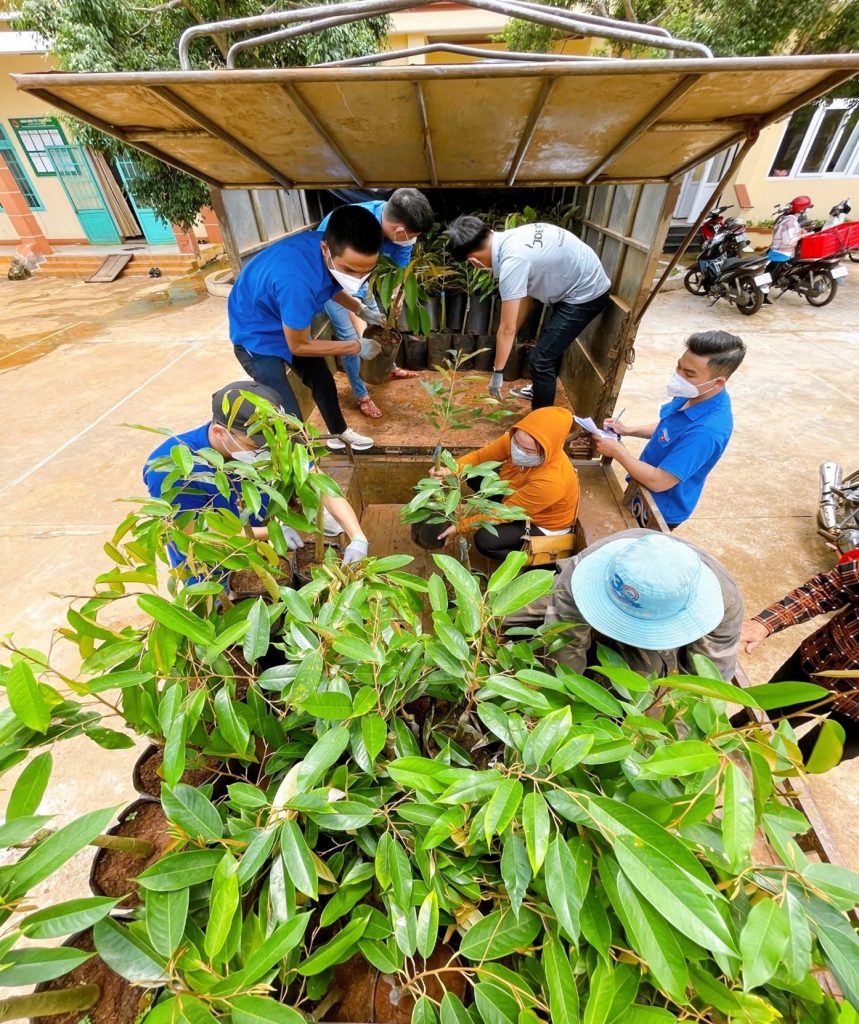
(565, 324)
(312, 371)
(798, 714)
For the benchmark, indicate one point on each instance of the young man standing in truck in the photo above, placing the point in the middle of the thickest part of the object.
(693, 429)
(535, 261)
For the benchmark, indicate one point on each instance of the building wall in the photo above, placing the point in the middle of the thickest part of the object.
(765, 192)
(57, 220)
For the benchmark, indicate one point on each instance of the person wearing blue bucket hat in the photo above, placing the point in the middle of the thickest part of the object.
(656, 600)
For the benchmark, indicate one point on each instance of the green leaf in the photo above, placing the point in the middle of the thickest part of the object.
(26, 698)
(34, 965)
(511, 689)
(521, 592)
(66, 918)
(261, 1010)
(515, 870)
(536, 825)
(476, 786)
(357, 650)
(780, 695)
(840, 885)
(193, 812)
(738, 818)
(840, 944)
(547, 736)
(401, 874)
(42, 861)
(463, 583)
(674, 894)
(166, 914)
(428, 924)
(128, 955)
(507, 571)
(499, 934)
(424, 1012)
(560, 982)
(380, 956)
(704, 687)
(495, 1004)
(600, 994)
(231, 725)
(563, 887)
(224, 904)
(109, 739)
(797, 957)
(275, 948)
(682, 757)
(324, 752)
(340, 948)
(19, 830)
(331, 705)
(28, 791)
(452, 1010)
(763, 942)
(181, 621)
(501, 808)
(571, 753)
(374, 732)
(590, 692)
(297, 859)
(178, 870)
(623, 677)
(828, 749)
(256, 639)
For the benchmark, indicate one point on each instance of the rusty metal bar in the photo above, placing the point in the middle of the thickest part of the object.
(176, 103)
(701, 126)
(429, 155)
(322, 131)
(739, 156)
(491, 56)
(530, 128)
(616, 235)
(677, 93)
(595, 19)
(116, 133)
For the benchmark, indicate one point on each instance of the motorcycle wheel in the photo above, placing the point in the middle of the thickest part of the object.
(694, 282)
(853, 255)
(829, 288)
(751, 297)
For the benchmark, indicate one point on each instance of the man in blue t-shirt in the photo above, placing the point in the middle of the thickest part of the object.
(278, 293)
(232, 435)
(693, 428)
(404, 217)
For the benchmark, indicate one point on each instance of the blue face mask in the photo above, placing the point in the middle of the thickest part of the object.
(526, 460)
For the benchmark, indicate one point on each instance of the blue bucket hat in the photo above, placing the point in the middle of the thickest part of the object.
(650, 592)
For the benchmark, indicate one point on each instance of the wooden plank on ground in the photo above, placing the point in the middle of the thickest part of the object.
(112, 267)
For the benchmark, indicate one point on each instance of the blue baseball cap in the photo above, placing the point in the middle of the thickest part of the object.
(650, 592)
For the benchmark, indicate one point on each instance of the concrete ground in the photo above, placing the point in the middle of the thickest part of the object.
(79, 363)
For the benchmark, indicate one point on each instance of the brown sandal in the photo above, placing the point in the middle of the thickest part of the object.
(398, 373)
(368, 407)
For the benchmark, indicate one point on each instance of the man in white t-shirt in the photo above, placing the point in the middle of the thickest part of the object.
(536, 261)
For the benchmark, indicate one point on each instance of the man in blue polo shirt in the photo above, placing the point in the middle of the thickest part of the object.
(232, 436)
(272, 305)
(693, 428)
(403, 218)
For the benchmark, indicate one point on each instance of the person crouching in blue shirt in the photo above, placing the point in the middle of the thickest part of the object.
(693, 428)
(228, 434)
(403, 218)
(278, 293)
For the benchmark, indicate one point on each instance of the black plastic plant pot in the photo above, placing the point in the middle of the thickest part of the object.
(438, 345)
(433, 308)
(525, 353)
(425, 535)
(378, 370)
(512, 368)
(119, 1001)
(465, 344)
(302, 572)
(530, 329)
(455, 310)
(477, 321)
(102, 853)
(485, 360)
(414, 352)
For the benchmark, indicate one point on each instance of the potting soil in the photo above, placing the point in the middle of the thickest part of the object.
(117, 869)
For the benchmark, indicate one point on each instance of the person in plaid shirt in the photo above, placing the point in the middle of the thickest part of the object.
(835, 645)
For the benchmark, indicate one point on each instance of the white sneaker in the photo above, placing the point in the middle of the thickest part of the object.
(351, 437)
(526, 392)
(330, 526)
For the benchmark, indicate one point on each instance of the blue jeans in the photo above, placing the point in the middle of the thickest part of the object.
(344, 330)
(565, 324)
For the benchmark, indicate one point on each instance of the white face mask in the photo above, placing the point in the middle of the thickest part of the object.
(404, 241)
(348, 282)
(477, 264)
(679, 387)
(526, 460)
(247, 455)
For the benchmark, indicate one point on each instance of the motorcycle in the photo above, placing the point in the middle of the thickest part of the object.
(714, 222)
(722, 274)
(815, 270)
(838, 508)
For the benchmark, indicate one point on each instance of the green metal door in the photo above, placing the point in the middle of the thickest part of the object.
(80, 186)
(155, 229)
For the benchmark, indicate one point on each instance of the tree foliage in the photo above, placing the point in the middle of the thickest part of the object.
(114, 35)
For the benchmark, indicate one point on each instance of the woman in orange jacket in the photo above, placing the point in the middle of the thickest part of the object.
(544, 484)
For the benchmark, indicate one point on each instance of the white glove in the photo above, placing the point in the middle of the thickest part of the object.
(495, 382)
(369, 348)
(293, 540)
(357, 550)
(370, 316)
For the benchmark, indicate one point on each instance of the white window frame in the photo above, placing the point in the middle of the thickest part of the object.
(852, 169)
